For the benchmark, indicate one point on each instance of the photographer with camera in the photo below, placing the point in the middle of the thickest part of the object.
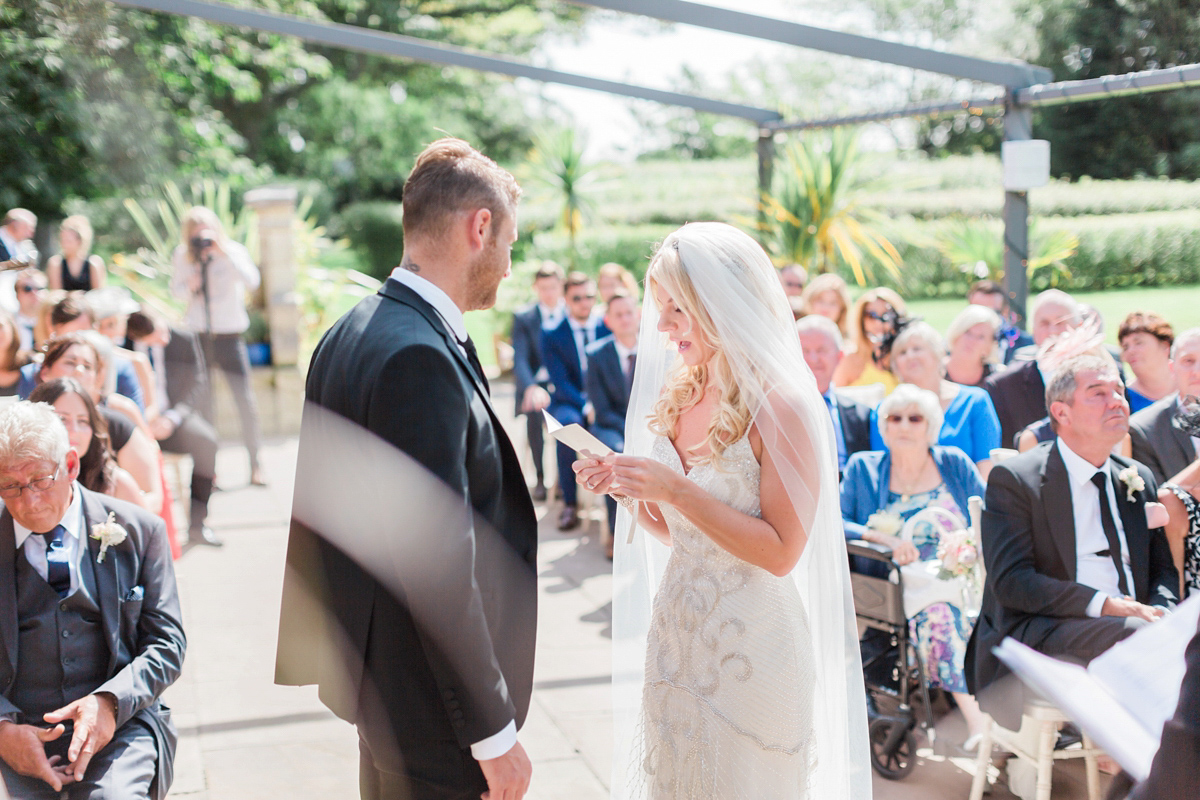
(213, 273)
(872, 329)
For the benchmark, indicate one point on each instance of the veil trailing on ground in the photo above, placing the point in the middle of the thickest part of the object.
(738, 286)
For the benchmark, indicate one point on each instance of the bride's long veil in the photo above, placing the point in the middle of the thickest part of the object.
(739, 287)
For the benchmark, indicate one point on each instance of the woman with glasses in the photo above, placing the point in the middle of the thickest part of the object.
(882, 490)
(872, 325)
(87, 431)
(969, 420)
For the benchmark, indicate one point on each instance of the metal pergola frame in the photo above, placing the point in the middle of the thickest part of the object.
(1024, 85)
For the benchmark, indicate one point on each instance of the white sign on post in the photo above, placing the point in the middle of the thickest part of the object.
(1026, 164)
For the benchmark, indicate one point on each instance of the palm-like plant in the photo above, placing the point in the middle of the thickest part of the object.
(976, 247)
(814, 217)
(557, 163)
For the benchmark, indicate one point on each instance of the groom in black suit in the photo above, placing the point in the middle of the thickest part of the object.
(434, 668)
(1072, 566)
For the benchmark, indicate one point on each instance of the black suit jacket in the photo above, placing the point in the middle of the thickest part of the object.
(1029, 550)
(856, 424)
(1019, 395)
(144, 634)
(4, 254)
(1157, 443)
(187, 378)
(527, 349)
(390, 371)
(606, 385)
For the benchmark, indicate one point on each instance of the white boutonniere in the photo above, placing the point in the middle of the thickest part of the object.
(1133, 482)
(885, 522)
(108, 533)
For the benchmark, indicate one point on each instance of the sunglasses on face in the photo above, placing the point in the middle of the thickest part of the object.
(877, 316)
(576, 298)
(913, 419)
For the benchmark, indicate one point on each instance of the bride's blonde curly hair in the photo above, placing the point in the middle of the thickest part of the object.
(685, 387)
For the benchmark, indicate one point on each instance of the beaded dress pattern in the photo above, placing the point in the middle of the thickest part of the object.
(728, 698)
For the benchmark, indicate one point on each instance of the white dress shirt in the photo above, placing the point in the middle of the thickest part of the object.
(15, 248)
(499, 743)
(552, 317)
(73, 543)
(1092, 570)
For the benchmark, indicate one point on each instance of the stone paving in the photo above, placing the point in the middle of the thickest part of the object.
(243, 738)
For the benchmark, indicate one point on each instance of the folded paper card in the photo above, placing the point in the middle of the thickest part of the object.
(575, 437)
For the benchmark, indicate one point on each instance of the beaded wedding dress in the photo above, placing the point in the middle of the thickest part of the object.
(728, 698)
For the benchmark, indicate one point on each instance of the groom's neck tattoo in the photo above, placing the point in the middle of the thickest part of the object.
(410, 265)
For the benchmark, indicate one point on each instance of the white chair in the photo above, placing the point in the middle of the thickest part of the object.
(1044, 721)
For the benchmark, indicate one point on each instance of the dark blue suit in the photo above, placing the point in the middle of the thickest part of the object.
(527, 363)
(608, 389)
(568, 389)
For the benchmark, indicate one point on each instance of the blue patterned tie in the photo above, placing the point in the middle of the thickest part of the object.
(58, 571)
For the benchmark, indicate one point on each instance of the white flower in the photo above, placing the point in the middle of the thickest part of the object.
(885, 522)
(1133, 482)
(108, 533)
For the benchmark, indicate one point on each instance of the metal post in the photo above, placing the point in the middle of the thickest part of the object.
(1018, 124)
(766, 169)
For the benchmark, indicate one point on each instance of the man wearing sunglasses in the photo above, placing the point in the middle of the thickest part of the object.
(564, 352)
(90, 631)
(31, 289)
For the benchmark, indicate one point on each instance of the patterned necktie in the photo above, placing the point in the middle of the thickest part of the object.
(1110, 531)
(58, 571)
(473, 359)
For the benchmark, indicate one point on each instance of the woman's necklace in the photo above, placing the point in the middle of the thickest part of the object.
(907, 493)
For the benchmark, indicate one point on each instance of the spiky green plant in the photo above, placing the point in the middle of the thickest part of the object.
(557, 163)
(976, 247)
(813, 215)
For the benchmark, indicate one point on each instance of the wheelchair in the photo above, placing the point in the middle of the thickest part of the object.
(892, 667)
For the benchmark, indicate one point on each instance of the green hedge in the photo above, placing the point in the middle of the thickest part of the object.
(375, 233)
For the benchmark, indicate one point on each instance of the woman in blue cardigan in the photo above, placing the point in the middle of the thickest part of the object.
(883, 489)
(969, 420)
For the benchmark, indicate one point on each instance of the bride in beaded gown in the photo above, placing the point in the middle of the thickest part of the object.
(736, 670)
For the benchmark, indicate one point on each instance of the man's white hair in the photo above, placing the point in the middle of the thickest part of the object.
(815, 323)
(1184, 338)
(31, 432)
(906, 396)
(1053, 297)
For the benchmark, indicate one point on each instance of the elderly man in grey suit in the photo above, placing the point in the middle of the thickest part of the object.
(1157, 441)
(90, 631)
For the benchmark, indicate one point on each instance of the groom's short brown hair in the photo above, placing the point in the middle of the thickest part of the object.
(451, 176)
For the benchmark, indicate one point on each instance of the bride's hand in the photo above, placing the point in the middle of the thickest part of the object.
(595, 473)
(647, 480)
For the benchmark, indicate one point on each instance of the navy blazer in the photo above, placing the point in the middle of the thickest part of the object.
(527, 348)
(856, 424)
(865, 483)
(568, 384)
(606, 385)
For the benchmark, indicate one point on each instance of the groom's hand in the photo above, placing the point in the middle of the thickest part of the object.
(507, 776)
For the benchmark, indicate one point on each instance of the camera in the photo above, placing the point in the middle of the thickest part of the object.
(198, 244)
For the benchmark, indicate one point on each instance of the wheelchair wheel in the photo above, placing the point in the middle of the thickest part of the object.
(902, 757)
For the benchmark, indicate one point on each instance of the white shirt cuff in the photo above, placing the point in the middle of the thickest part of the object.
(1097, 605)
(495, 745)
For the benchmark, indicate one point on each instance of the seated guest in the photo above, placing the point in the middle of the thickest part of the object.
(1146, 340)
(1157, 441)
(971, 346)
(1085, 339)
(1018, 392)
(827, 296)
(63, 669)
(1010, 338)
(87, 431)
(111, 308)
(16, 231)
(613, 278)
(873, 324)
(1181, 497)
(178, 426)
(1072, 564)
(968, 418)
(12, 357)
(42, 326)
(915, 474)
(31, 290)
(75, 355)
(822, 345)
(77, 269)
(793, 277)
(564, 352)
(610, 378)
(529, 375)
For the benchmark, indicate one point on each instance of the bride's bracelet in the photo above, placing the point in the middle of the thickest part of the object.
(628, 503)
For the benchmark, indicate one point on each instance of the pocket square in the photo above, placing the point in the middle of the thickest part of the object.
(134, 594)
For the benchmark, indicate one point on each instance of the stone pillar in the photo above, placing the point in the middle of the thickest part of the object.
(276, 210)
